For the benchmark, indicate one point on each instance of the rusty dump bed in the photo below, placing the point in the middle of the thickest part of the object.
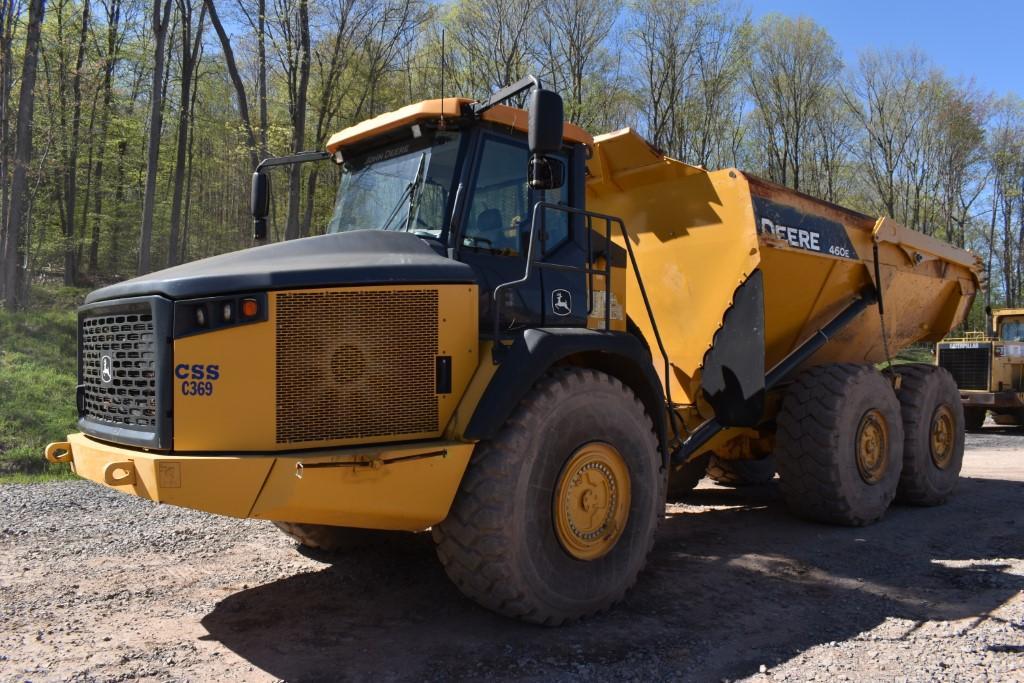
(699, 236)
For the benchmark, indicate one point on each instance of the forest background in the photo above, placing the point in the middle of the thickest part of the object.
(129, 129)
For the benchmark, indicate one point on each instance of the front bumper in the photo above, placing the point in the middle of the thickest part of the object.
(406, 487)
(991, 399)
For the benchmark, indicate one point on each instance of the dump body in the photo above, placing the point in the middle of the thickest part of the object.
(699, 236)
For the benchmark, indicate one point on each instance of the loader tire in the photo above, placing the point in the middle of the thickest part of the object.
(839, 447)
(684, 478)
(741, 472)
(556, 515)
(974, 418)
(933, 434)
(333, 539)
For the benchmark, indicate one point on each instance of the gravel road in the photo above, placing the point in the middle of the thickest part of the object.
(99, 586)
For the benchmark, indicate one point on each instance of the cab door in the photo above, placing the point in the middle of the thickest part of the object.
(494, 237)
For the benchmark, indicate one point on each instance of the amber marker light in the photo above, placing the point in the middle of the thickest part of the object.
(250, 308)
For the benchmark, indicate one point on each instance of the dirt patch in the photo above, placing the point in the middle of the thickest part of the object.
(96, 585)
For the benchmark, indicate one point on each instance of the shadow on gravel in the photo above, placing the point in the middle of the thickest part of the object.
(725, 591)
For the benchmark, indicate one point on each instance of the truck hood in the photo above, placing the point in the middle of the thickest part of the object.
(364, 257)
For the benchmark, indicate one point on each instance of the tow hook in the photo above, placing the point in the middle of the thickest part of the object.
(59, 452)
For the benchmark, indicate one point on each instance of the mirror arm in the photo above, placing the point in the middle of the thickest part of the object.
(508, 91)
(300, 158)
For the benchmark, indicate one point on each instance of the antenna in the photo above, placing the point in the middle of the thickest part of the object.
(441, 124)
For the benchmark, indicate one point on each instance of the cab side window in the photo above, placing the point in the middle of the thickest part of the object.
(499, 208)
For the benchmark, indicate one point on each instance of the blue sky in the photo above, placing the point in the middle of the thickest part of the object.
(979, 38)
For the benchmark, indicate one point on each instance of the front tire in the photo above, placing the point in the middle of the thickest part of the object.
(839, 447)
(556, 515)
(933, 427)
(334, 539)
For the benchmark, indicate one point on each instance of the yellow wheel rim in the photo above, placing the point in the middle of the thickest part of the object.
(872, 447)
(941, 436)
(591, 503)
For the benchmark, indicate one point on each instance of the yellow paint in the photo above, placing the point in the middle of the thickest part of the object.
(695, 239)
(226, 484)
(240, 415)
(409, 495)
(434, 110)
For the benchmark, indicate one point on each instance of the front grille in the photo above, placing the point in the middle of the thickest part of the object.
(119, 362)
(124, 371)
(969, 363)
(356, 364)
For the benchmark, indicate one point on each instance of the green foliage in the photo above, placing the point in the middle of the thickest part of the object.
(37, 383)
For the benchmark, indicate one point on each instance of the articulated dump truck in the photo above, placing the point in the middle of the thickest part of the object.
(520, 337)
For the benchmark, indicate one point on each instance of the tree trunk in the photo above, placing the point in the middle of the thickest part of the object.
(236, 81)
(113, 19)
(161, 19)
(189, 57)
(22, 158)
(261, 74)
(298, 107)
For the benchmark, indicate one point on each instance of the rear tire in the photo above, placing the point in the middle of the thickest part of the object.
(741, 472)
(839, 447)
(933, 428)
(334, 539)
(682, 479)
(974, 418)
(505, 542)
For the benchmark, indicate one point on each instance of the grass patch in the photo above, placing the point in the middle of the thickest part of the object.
(38, 374)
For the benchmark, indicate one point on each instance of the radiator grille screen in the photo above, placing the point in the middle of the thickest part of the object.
(356, 364)
(118, 366)
(969, 367)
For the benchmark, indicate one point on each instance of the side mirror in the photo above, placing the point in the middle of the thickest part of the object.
(546, 122)
(545, 173)
(259, 204)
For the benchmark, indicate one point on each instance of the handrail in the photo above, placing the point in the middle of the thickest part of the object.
(533, 264)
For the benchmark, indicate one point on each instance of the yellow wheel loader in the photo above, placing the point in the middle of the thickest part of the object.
(989, 368)
(520, 336)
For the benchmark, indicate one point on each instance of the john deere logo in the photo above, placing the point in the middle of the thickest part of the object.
(106, 370)
(561, 302)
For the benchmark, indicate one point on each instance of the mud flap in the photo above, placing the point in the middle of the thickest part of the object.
(733, 375)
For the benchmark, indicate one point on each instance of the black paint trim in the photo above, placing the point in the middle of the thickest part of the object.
(162, 312)
(733, 372)
(538, 349)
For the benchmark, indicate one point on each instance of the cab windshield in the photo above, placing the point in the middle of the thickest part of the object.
(404, 187)
(1012, 330)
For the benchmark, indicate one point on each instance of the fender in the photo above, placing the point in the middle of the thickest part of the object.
(618, 354)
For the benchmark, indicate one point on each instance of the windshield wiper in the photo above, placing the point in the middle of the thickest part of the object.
(407, 194)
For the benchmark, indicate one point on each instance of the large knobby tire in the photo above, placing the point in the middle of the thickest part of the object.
(839, 447)
(505, 542)
(741, 472)
(974, 418)
(682, 479)
(933, 434)
(333, 539)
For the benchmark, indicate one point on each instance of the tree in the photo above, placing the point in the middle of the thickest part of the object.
(14, 297)
(191, 43)
(794, 63)
(161, 19)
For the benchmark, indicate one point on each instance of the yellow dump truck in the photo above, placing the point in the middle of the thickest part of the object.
(517, 335)
(989, 369)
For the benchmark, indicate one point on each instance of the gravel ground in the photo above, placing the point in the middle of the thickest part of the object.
(99, 586)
